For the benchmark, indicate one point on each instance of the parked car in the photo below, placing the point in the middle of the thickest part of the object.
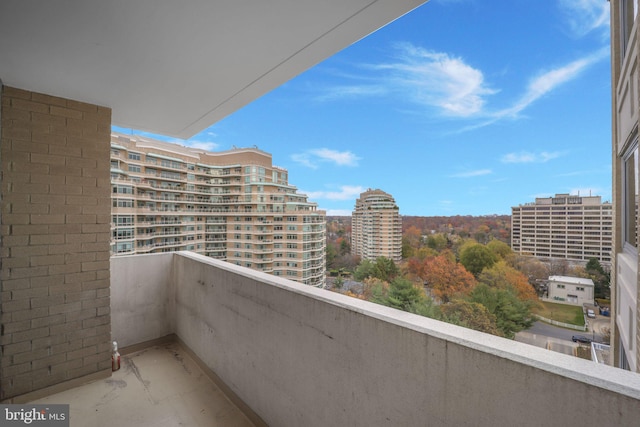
(581, 339)
(591, 314)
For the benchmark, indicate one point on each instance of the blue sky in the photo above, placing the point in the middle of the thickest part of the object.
(461, 107)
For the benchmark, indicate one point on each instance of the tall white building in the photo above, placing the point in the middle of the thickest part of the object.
(376, 226)
(575, 228)
(231, 205)
(625, 81)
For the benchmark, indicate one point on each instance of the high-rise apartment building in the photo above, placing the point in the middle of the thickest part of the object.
(232, 205)
(625, 81)
(576, 228)
(376, 227)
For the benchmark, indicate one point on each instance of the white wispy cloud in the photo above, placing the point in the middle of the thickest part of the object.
(551, 79)
(304, 159)
(311, 158)
(585, 16)
(203, 145)
(345, 192)
(449, 85)
(357, 91)
(437, 79)
(471, 174)
(528, 157)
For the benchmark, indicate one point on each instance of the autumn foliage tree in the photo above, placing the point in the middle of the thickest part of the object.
(470, 315)
(503, 276)
(445, 277)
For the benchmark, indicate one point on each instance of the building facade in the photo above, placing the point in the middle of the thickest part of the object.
(625, 313)
(571, 290)
(569, 227)
(232, 205)
(376, 227)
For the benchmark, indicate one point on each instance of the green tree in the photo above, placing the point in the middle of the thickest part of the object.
(601, 278)
(500, 249)
(512, 314)
(345, 247)
(438, 242)
(385, 269)
(470, 315)
(404, 295)
(476, 258)
(363, 270)
(331, 254)
(338, 282)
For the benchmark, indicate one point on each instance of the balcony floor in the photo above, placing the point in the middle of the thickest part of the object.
(157, 386)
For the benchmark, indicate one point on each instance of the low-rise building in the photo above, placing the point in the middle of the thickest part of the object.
(570, 290)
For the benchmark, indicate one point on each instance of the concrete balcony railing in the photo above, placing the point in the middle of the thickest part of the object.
(300, 356)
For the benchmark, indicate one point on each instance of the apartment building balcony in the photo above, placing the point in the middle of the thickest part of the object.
(290, 355)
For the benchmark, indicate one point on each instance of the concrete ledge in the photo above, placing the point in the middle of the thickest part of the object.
(298, 355)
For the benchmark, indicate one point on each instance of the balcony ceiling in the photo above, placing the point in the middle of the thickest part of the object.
(175, 67)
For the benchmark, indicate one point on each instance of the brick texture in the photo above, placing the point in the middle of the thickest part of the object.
(54, 249)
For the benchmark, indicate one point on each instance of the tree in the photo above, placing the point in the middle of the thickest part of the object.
(403, 295)
(476, 258)
(331, 254)
(503, 276)
(446, 278)
(438, 242)
(375, 290)
(385, 269)
(601, 278)
(470, 315)
(500, 249)
(363, 270)
(338, 282)
(512, 314)
(345, 247)
(558, 267)
(411, 240)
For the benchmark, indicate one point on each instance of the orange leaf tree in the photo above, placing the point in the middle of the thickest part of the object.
(445, 277)
(502, 276)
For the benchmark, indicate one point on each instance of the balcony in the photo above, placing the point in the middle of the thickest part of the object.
(298, 355)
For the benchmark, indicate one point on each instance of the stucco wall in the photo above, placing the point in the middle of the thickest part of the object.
(304, 356)
(142, 296)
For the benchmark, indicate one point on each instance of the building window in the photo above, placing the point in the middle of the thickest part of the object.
(134, 156)
(630, 196)
(560, 286)
(628, 11)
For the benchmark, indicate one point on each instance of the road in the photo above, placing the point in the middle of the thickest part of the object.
(559, 339)
(541, 328)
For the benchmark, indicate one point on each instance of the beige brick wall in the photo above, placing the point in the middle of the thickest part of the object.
(55, 322)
